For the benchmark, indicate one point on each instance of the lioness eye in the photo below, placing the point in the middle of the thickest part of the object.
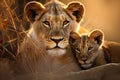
(46, 23)
(65, 23)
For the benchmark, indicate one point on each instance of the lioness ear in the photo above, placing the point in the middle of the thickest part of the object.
(97, 36)
(32, 9)
(76, 9)
(73, 36)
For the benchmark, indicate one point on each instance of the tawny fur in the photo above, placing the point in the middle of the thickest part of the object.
(34, 62)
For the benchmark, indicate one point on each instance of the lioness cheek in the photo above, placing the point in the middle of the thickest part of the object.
(63, 44)
(50, 44)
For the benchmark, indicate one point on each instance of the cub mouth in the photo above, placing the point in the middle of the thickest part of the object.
(86, 66)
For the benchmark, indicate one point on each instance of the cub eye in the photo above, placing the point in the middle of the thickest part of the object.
(90, 49)
(46, 23)
(65, 23)
(77, 50)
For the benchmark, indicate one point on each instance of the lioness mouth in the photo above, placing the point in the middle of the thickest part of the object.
(56, 47)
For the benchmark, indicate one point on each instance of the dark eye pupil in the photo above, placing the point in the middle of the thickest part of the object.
(77, 49)
(90, 48)
(65, 22)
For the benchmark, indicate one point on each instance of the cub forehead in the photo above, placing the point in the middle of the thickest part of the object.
(84, 38)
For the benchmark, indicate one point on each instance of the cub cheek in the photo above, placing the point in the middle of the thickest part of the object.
(77, 55)
(88, 62)
(81, 62)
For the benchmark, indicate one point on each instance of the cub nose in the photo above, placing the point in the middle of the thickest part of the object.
(56, 39)
(84, 57)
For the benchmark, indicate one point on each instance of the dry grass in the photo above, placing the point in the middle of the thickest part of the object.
(12, 27)
(11, 30)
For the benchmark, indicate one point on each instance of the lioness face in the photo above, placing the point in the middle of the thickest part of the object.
(56, 29)
(53, 22)
(86, 47)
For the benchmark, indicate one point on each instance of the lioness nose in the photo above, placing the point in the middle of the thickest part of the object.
(57, 40)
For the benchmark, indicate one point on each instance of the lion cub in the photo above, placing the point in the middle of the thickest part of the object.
(87, 48)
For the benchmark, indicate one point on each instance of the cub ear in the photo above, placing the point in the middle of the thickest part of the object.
(76, 9)
(32, 9)
(97, 35)
(73, 36)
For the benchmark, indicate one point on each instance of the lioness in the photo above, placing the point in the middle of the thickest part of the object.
(51, 25)
(91, 50)
(45, 52)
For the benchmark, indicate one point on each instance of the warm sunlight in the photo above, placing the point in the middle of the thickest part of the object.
(59, 40)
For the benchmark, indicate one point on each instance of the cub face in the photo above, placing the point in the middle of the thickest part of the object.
(86, 47)
(52, 23)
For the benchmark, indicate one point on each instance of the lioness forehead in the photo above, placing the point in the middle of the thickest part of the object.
(55, 7)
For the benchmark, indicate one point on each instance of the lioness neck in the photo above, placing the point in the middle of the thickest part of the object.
(61, 64)
(46, 63)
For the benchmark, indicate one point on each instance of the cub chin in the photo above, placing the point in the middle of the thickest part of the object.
(87, 48)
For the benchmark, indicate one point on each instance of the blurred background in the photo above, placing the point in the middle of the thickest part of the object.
(99, 14)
